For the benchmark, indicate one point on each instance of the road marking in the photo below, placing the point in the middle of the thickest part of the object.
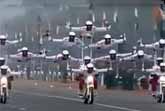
(15, 107)
(77, 100)
(116, 107)
(22, 109)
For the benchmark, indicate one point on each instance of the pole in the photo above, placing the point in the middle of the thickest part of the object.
(143, 65)
(134, 69)
(155, 56)
(117, 69)
(102, 79)
(164, 54)
(82, 49)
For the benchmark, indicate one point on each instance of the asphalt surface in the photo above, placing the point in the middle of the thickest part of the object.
(48, 96)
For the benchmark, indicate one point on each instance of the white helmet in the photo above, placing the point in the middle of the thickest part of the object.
(3, 37)
(24, 49)
(90, 68)
(87, 58)
(140, 53)
(162, 64)
(162, 67)
(1, 58)
(159, 60)
(112, 54)
(107, 36)
(65, 52)
(90, 65)
(89, 22)
(4, 67)
(162, 41)
(72, 34)
(112, 51)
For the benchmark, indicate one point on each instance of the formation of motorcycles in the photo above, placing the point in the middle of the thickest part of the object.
(87, 62)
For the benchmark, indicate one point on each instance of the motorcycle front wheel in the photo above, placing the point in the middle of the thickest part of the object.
(89, 98)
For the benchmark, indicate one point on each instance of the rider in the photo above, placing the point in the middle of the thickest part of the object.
(89, 25)
(5, 71)
(89, 71)
(72, 36)
(154, 83)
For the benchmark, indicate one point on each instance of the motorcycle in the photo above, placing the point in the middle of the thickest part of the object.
(3, 89)
(89, 90)
(161, 92)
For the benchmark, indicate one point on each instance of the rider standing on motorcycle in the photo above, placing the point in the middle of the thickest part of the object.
(5, 71)
(89, 71)
(87, 60)
(155, 77)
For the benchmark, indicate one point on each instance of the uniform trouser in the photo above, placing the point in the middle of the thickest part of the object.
(154, 88)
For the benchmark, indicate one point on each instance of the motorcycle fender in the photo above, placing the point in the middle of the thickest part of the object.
(90, 86)
(88, 89)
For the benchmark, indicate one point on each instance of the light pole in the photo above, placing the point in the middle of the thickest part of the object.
(39, 20)
(136, 24)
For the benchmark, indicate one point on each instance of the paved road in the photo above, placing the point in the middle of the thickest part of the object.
(29, 96)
